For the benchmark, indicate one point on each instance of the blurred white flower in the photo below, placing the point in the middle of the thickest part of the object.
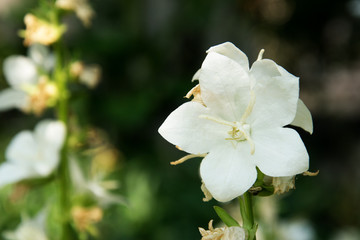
(29, 229)
(95, 185)
(299, 229)
(81, 7)
(29, 90)
(224, 233)
(33, 154)
(240, 122)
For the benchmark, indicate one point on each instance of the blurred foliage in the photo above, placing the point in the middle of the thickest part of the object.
(149, 51)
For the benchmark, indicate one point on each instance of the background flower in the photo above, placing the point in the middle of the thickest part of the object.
(23, 75)
(33, 154)
(29, 229)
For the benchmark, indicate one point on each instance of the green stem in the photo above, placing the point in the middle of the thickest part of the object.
(62, 114)
(246, 210)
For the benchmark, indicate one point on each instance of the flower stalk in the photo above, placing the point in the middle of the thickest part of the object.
(62, 114)
(246, 210)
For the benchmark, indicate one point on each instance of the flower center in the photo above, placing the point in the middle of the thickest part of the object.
(240, 131)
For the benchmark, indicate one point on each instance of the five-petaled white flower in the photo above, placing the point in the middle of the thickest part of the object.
(29, 229)
(33, 154)
(30, 90)
(239, 123)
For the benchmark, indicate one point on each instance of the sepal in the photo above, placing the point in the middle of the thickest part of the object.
(225, 217)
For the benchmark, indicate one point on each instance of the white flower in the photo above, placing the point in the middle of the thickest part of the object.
(23, 75)
(33, 154)
(94, 185)
(297, 229)
(29, 229)
(240, 123)
(224, 233)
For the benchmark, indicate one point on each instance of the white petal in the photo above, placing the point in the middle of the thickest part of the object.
(184, 128)
(196, 75)
(231, 51)
(49, 62)
(103, 196)
(20, 70)
(225, 86)
(280, 152)
(11, 98)
(234, 233)
(50, 134)
(11, 173)
(39, 151)
(42, 57)
(22, 150)
(228, 171)
(276, 95)
(47, 161)
(76, 175)
(303, 117)
(38, 53)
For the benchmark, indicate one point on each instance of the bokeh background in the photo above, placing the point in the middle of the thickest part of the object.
(149, 51)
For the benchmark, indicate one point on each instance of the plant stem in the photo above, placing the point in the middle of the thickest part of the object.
(246, 210)
(62, 114)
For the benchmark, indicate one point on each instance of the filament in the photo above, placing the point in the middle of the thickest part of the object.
(218, 120)
(249, 107)
(187, 157)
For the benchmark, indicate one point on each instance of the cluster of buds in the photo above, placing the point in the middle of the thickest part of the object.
(40, 31)
(88, 75)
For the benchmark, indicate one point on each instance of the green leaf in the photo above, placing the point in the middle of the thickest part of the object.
(225, 217)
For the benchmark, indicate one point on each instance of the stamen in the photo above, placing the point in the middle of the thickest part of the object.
(260, 56)
(206, 192)
(193, 91)
(249, 107)
(218, 120)
(251, 142)
(187, 157)
(311, 174)
(179, 148)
